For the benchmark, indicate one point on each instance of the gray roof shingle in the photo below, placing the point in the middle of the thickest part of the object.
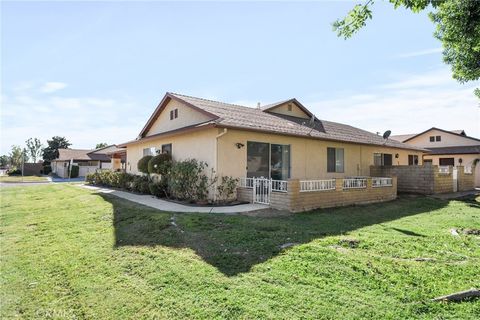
(81, 154)
(241, 117)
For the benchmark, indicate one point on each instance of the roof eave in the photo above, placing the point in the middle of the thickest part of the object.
(196, 127)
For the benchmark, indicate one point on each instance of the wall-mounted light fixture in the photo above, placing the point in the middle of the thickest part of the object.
(239, 145)
(396, 155)
(460, 160)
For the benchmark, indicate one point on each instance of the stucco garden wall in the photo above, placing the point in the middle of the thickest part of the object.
(426, 179)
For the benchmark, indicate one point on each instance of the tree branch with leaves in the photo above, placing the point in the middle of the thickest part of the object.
(457, 27)
(34, 149)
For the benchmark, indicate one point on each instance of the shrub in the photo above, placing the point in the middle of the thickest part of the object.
(47, 169)
(110, 179)
(160, 164)
(187, 180)
(226, 188)
(142, 164)
(158, 188)
(140, 184)
(14, 172)
(91, 178)
(124, 179)
(74, 171)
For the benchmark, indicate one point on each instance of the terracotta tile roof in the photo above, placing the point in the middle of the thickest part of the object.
(455, 150)
(241, 117)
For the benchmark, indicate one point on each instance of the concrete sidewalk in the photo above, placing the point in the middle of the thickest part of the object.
(163, 205)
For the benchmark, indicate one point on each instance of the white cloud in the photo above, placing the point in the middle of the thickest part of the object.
(50, 87)
(433, 78)
(409, 105)
(84, 121)
(419, 53)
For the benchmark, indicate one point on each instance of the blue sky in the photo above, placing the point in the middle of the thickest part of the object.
(94, 71)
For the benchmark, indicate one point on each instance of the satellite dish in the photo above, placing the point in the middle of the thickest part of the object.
(387, 134)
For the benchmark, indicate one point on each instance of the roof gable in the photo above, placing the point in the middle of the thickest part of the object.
(454, 132)
(291, 107)
(167, 99)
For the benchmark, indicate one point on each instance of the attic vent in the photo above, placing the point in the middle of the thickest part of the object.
(289, 107)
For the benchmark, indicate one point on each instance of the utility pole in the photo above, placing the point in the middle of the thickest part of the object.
(23, 161)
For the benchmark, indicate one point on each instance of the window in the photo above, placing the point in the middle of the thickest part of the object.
(335, 160)
(149, 151)
(382, 159)
(279, 162)
(432, 139)
(412, 160)
(173, 114)
(268, 160)
(387, 159)
(446, 161)
(438, 138)
(167, 148)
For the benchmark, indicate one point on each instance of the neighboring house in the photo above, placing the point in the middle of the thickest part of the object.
(87, 161)
(281, 141)
(447, 148)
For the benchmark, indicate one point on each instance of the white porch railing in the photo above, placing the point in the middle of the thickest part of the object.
(276, 185)
(444, 169)
(356, 183)
(279, 185)
(381, 182)
(246, 183)
(317, 185)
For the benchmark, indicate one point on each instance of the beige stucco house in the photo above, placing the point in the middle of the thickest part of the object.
(281, 141)
(447, 148)
(87, 160)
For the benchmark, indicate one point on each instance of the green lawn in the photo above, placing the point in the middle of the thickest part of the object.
(22, 179)
(69, 253)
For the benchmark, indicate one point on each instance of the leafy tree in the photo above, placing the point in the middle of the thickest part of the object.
(457, 27)
(34, 148)
(4, 160)
(16, 157)
(51, 151)
(101, 145)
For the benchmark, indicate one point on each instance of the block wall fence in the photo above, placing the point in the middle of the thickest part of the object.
(294, 200)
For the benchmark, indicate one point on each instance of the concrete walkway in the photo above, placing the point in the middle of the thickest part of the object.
(163, 205)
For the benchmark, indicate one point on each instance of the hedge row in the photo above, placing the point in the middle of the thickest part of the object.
(183, 180)
(127, 181)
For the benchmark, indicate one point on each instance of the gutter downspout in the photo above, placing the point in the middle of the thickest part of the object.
(225, 130)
